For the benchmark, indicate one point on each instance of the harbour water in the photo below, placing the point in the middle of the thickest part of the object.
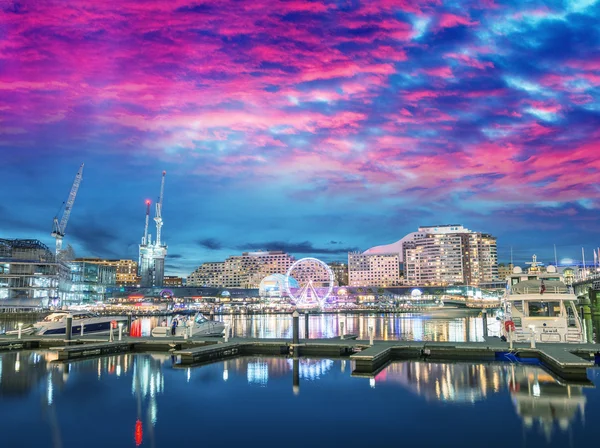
(451, 325)
(142, 400)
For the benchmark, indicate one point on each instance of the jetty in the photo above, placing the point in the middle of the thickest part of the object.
(369, 357)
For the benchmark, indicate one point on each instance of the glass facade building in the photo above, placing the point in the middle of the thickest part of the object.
(90, 281)
(31, 275)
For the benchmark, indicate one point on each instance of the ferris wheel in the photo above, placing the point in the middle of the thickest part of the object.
(314, 279)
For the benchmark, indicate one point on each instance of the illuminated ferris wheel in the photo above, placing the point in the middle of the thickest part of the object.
(314, 282)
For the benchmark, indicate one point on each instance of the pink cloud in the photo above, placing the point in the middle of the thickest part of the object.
(442, 72)
(451, 20)
(469, 61)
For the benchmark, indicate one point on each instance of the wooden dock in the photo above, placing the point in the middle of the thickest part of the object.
(569, 361)
(79, 351)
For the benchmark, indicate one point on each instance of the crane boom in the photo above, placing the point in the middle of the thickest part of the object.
(145, 239)
(59, 228)
(158, 216)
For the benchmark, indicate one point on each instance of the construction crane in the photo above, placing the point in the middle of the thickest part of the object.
(146, 238)
(158, 216)
(59, 227)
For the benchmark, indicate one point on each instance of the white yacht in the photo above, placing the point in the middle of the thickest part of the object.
(540, 304)
(56, 324)
(200, 326)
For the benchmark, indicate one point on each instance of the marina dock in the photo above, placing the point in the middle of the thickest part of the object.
(568, 361)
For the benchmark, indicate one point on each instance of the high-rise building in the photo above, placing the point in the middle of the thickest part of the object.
(340, 273)
(31, 275)
(381, 270)
(152, 254)
(445, 255)
(126, 270)
(241, 271)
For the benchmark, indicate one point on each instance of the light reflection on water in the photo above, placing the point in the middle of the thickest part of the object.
(400, 326)
(452, 326)
(144, 400)
(456, 326)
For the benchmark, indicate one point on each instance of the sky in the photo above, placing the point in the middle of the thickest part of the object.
(314, 127)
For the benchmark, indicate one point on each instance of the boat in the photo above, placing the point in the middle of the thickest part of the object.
(200, 326)
(539, 305)
(56, 324)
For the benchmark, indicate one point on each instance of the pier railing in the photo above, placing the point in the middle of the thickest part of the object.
(538, 290)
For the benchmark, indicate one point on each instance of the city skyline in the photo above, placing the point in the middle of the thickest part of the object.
(316, 128)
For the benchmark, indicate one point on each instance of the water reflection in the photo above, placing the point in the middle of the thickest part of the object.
(450, 325)
(142, 396)
(540, 399)
(446, 325)
(414, 327)
(445, 382)
(22, 373)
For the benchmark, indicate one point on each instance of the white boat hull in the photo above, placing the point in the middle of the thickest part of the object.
(210, 328)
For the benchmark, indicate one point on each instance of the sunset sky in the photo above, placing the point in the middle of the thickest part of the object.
(315, 127)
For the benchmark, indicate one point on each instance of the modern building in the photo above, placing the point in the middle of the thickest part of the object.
(126, 270)
(208, 274)
(248, 270)
(241, 271)
(340, 272)
(445, 255)
(380, 270)
(30, 275)
(90, 281)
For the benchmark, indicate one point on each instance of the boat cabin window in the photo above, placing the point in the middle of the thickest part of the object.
(200, 319)
(544, 309)
(54, 317)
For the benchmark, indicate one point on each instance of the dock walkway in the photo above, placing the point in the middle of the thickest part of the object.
(569, 361)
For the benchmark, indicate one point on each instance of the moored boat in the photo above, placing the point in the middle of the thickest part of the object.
(199, 325)
(56, 324)
(541, 306)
